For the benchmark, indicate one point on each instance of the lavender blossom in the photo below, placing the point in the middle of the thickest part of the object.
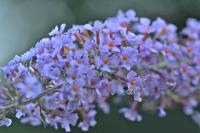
(67, 76)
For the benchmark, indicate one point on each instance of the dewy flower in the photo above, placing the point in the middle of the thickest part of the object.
(65, 78)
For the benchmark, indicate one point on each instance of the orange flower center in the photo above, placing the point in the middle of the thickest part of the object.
(163, 31)
(75, 89)
(30, 88)
(198, 74)
(125, 57)
(79, 61)
(174, 53)
(74, 77)
(133, 82)
(110, 45)
(198, 61)
(105, 61)
(189, 50)
(65, 50)
(166, 50)
(184, 69)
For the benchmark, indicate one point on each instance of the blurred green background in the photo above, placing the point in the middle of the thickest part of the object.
(24, 22)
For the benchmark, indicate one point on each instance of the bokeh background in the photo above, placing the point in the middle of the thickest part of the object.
(24, 22)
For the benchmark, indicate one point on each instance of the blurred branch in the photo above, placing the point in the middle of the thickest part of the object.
(4, 110)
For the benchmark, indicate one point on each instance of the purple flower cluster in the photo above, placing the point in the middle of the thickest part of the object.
(65, 78)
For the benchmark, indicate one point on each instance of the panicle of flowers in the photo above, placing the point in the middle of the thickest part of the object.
(64, 79)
